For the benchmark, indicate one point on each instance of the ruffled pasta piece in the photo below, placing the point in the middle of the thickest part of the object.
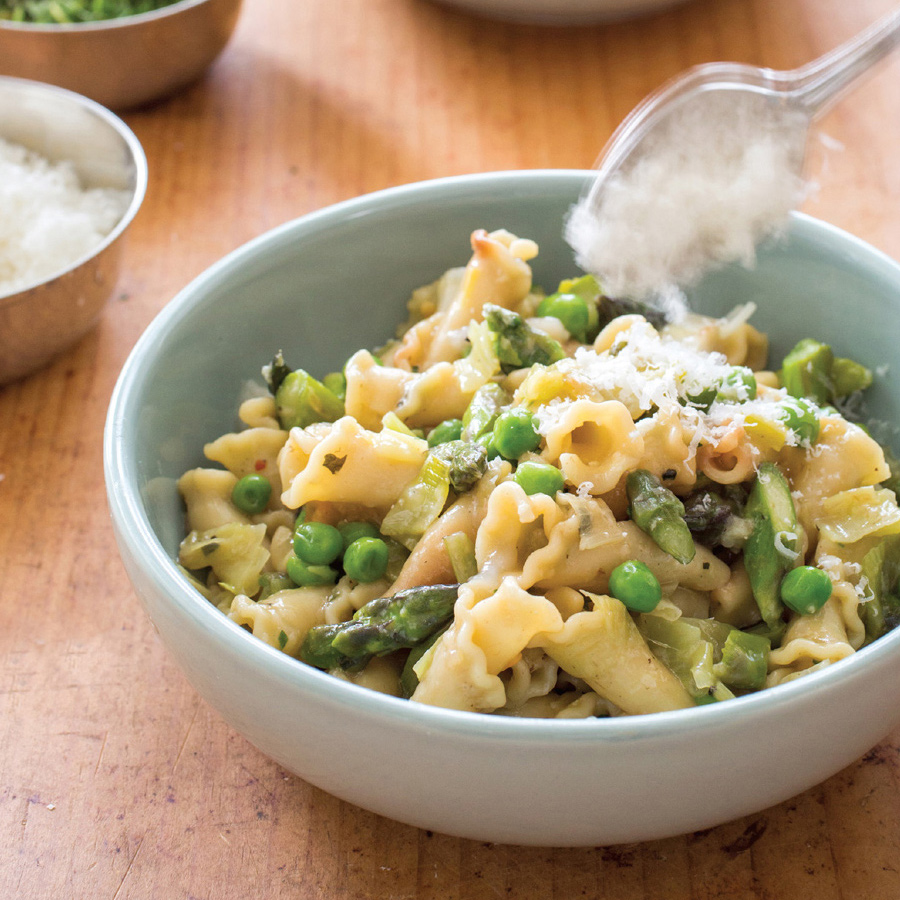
(372, 389)
(849, 588)
(497, 273)
(812, 639)
(605, 649)
(428, 307)
(259, 412)
(382, 674)
(437, 394)
(668, 447)
(207, 496)
(621, 325)
(843, 457)
(419, 400)
(486, 637)
(731, 459)
(597, 526)
(251, 452)
(352, 465)
(733, 603)
(348, 596)
(235, 552)
(732, 336)
(540, 541)
(782, 676)
(861, 512)
(590, 569)
(595, 444)
(295, 453)
(282, 619)
(531, 537)
(567, 600)
(532, 676)
(585, 706)
(274, 520)
(691, 603)
(281, 546)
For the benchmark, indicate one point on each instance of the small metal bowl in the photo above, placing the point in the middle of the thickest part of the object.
(42, 319)
(124, 62)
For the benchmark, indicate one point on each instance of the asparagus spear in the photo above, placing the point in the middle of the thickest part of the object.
(714, 515)
(658, 512)
(812, 370)
(745, 661)
(381, 626)
(806, 370)
(881, 569)
(467, 462)
(517, 344)
(276, 372)
(772, 546)
(409, 680)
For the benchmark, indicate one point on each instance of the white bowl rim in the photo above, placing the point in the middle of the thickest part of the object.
(104, 24)
(138, 157)
(144, 546)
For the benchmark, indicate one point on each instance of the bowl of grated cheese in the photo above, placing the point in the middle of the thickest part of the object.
(72, 178)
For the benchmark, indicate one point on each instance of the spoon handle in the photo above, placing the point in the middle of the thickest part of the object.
(820, 82)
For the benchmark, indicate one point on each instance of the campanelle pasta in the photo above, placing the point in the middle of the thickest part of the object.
(553, 505)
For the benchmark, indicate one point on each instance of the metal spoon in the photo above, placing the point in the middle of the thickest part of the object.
(697, 155)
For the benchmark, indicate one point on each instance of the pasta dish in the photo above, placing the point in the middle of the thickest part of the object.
(553, 505)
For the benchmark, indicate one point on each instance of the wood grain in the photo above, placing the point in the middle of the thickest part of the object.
(116, 780)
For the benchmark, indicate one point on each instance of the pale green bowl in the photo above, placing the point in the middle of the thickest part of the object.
(337, 280)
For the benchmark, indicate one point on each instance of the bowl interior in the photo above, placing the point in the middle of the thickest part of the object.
(60, 125)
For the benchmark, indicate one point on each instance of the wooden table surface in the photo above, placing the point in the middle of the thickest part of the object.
(116, 779)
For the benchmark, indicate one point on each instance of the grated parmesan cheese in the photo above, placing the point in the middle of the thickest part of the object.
(712, 179)
(47, 220)
(648, 371)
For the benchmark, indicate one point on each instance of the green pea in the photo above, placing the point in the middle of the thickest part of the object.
(515, 433)
(448, 430)
(703, 399)
(353, 531)
(635, 585)
(800, 416)
(366, 559)
(539, 478)
(805, 589)
(306, 575)
(738, 386)
(317, 544)
(251, 494)
(572, 310)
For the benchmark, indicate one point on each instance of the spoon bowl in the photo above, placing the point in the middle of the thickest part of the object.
(710, 164)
